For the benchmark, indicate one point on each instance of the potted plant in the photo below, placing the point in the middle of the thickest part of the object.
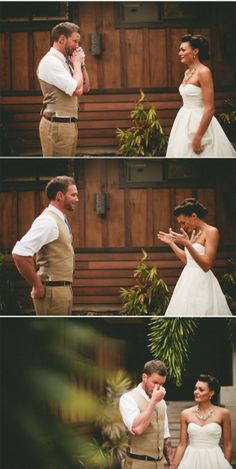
(228, 120)
(149, 296)
(146, 136)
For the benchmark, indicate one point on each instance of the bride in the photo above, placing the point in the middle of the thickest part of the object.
(196, 132)
(197, 292)
(201, 429)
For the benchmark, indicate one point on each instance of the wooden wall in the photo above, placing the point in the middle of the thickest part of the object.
(134, 215)
(131, 58)
(108, 249)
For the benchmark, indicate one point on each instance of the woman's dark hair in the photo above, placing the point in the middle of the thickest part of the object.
(198, 42)
(213, 385)
(190, 206)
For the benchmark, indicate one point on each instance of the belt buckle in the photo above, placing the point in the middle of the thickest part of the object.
(146, 458)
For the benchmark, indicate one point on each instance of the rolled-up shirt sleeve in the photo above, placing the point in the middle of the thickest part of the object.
(55, 73)
(129, 410)
(43, 231)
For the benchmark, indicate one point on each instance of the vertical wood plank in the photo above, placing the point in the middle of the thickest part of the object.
(26, 212)
(8, 220)
(41, 45)
(20, 60)
(207, 198)
(179, 196)
(87, 22)
(158, 58)
(5, 75)
(111, 56)
(134, 56)
(176, 68)
(116, 216)
(138, 217)
(93, 227)
(161, 213)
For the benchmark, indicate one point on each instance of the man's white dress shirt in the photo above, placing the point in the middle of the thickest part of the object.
(43, 231)
(52, 71)
(129, 410)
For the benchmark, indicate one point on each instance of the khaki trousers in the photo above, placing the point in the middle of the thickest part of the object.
(58, 138)
(136, 464)
(57, 301)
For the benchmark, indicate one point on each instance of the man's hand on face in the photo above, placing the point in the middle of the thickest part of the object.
(77, 56)
(158, 393)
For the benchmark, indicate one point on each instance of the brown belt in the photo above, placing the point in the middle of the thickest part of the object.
(142, 457)
(62, 283)
(61, 119)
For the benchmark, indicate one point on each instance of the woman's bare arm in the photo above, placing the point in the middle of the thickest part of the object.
(183, 439)
(206, 260)
(207, 86)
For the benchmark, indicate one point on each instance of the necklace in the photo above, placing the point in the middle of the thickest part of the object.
(189, 73)
(205, 416)
(195, 236)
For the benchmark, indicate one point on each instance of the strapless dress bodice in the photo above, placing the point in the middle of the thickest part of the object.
(206, 436)
(190, 261)
(191, 95)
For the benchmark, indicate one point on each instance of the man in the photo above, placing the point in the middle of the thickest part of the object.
(143, 411)
(63, 77)
(50, 239)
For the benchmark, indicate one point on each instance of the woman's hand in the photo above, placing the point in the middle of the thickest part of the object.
(180, 238)
(197, 146)
(166, 238)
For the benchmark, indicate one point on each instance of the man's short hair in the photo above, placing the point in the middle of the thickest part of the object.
(65, 28)
(58, 184)
(155, 366)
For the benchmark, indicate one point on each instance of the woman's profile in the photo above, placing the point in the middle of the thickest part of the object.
(201, 428)
(196, 132)
(197, 292)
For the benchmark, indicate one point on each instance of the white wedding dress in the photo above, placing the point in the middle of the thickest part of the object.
(215, 142)
(197, 293)
(203, 451)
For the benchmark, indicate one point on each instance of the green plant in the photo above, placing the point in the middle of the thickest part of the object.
(230, 116)
(150, 294)
(111, 442)
(48, 371)
(228, 284)
(169, 340)
(146, 136)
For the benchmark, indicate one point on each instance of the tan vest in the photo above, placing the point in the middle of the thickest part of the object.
(56, 101)
(151, 442)
(55, 261)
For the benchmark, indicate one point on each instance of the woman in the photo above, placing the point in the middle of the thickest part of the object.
(197, 292)
(196, 132)
(203, 425)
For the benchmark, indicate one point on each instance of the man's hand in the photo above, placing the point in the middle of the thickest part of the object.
(158, 394)
(38, 291)
(77, 57)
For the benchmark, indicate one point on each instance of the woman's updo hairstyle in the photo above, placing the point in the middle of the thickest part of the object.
(198, 42)
(213, 385)
(190, 206)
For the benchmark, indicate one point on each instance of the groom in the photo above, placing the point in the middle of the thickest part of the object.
(144, 414)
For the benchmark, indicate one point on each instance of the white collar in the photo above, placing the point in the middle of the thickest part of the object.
(57, 211)
(58, 53)
(141, 391)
